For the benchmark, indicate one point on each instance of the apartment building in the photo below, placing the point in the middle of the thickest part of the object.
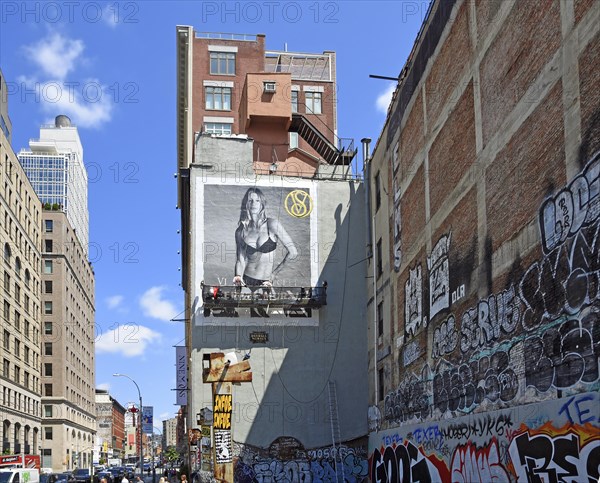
(20, 376)
(110, 419)
(257, 138)
(68, 358)
(483, 312)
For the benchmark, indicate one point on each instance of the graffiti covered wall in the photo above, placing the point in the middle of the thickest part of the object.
(556, 441)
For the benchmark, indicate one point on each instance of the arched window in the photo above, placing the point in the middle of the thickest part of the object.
(7, 253)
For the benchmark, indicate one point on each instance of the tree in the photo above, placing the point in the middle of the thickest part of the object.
(171, 454)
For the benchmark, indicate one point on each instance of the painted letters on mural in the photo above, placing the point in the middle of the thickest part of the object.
(404, 463)
(439, 277)
(445, 338)
(323, 465)
(413, 292)
(542, 457)
(471, 464)
(563, 215)
(496, 447)
(493, 318)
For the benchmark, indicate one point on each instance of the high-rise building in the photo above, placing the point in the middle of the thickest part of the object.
(169, 432)
(273, 260)
(20, 377)
(68, 358)
(54, 165)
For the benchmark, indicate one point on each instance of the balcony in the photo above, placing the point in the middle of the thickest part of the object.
(224, 300)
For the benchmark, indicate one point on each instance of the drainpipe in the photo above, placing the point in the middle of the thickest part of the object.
(370, 221)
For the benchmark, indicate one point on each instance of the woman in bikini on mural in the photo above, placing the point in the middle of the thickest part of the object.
(256, 239)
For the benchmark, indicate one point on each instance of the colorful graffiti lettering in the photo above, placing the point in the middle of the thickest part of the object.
(405, 463)
(471, 464)
(560, 456)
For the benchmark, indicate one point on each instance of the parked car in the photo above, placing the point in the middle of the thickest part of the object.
(82, 475)
(50, 477)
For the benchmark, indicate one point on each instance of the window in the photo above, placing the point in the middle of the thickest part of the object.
(293, 140)
(47, 389)
(17, 321)
(26, 379)
(313, 102)
(47, 348)
(27, 352)
(18, 378)
(380, 319)
(6, 311)
(26, 303)
(17, 294)
(27, 278)
(48, 266)
(6, 282)
(6, 340)
(48, 246)
(380, 384)
(218, 98)
(47, 308)
(48, 411)
(48, 369)
(6, 368)
(294, 101)
(269, 87)
(379, 259)
(18, 266)
(17, 348)
(217, 128)
(49, 226)
(48, 328)
(47, 433)
(48, 286)
(377, 192)
(222, 63)
(7, 253)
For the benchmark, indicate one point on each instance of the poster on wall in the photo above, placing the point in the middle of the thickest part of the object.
(258, 245)
(223, 448)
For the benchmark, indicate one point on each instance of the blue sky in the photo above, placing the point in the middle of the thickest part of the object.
(111, 68)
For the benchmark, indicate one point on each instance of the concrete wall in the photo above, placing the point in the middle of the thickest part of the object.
(281, 420)
(494, 300)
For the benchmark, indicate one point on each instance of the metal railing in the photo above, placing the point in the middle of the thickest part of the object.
(226, 36)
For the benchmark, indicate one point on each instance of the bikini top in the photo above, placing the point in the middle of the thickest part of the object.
(267, 247)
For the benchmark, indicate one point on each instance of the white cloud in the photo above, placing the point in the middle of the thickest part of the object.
(88, 104)
(163, 416)
(55, 55)
(105, 386)
(110, 15)
(114, 301)
(384, 99)
(154, 305)
(129, 340)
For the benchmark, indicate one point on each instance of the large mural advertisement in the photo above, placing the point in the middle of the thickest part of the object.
(258, 245)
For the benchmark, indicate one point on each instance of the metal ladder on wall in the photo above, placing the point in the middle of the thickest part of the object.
(335, 432)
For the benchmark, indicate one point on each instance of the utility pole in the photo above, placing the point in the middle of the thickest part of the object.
(221, 373)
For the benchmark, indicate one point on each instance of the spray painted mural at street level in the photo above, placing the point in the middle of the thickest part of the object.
(287, 461)
(538, 335)
(551, 441)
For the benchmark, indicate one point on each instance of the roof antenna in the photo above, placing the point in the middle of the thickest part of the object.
(285, 46)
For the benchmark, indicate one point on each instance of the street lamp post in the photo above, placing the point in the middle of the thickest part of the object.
(141, 451)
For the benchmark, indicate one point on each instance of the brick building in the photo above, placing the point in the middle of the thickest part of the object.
(272, 261)
(484, 314)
